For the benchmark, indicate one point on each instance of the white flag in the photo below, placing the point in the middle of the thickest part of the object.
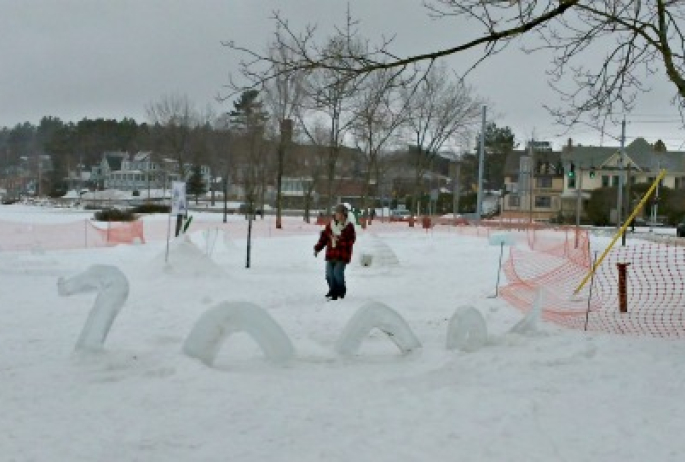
(179, 205)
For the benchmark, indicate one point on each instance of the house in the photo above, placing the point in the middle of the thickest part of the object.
(597, 167)
(111, 161)
(561, 182)
(139, 171)
(534, 182)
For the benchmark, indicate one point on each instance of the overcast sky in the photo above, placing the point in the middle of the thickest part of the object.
(111, 58)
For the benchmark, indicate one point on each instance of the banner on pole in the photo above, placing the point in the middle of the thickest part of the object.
(179, 205)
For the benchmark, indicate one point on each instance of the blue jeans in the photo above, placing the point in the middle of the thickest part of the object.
(335, 276)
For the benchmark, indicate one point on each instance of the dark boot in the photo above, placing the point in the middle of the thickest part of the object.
(332, 294)
(342, 292)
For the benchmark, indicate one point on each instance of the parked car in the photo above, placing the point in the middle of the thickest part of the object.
(680, 229)
(400, 215)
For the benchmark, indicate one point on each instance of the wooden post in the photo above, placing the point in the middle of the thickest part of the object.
(622, 287)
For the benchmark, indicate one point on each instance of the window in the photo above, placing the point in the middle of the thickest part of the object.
(605, 181)
(614, 181)
(543, 202)
(543, 182)
(571, 183)
(514, 201)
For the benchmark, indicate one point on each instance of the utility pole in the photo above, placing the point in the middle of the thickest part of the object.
(579, 192)
(655, 208)
(629, 204)
(456, 189)
(619, 199)
(479, 195)
(530, 181)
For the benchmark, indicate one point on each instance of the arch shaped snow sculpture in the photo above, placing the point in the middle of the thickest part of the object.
(467, 330)
(112, 287)
(218, 323)
(376, 315)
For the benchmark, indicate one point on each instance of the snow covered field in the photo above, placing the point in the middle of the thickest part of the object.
(544, 395)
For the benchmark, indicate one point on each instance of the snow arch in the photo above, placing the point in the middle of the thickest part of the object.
(218, 323)
(112, 286)
(376, 315)
(467, 330)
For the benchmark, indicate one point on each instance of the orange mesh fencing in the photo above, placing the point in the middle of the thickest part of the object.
(555, 260)
(79, 234)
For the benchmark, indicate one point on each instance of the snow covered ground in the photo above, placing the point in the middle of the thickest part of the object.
(545, 394)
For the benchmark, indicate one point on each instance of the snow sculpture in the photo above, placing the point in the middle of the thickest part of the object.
(467, 330)
(529, 323)
(383, 254)
(376, 315)
(112, 287)
(218, 323)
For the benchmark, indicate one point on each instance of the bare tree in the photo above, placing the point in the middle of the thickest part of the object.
(330, 96)
(379, 113)
(283, 95)
(438, 109)
(248, 120)
(315, 165)
(634, 39)
(176, 117)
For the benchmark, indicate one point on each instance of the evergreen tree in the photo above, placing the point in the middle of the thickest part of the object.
(248, 112)
(196, 185)
(499, 142)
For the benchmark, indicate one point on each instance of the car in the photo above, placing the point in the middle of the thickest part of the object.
(400, 215)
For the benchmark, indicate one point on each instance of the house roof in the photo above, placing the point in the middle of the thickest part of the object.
(141, 156)
(512, 163)
(639, 153)
(114, 159)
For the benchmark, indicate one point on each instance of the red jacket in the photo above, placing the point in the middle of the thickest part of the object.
(343, 244)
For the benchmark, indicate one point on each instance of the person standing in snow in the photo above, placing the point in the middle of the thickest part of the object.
(338, 237)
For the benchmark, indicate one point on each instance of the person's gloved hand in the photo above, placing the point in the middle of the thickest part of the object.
(316, 254)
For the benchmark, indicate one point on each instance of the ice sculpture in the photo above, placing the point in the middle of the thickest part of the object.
(112, 287)
(218, 323)
(376, 315)
(467, 330)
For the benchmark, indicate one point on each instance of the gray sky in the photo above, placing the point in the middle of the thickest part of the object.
(110, 58)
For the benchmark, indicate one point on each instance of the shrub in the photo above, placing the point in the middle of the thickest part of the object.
(115, 215)
(151, 208)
